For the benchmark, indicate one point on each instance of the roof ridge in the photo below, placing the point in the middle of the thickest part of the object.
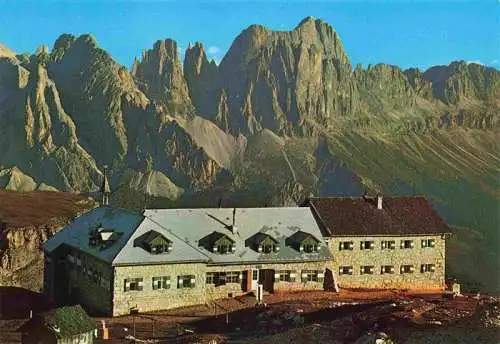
(223, 208)
(362, 196)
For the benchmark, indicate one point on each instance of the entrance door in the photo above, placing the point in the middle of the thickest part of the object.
(255, 279)
(266, 278)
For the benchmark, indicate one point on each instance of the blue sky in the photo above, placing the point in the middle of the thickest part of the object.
(404, 33)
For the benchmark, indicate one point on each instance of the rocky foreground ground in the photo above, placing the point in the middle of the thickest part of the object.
(381, 317)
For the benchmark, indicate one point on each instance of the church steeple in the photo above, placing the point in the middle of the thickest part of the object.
(105, 189)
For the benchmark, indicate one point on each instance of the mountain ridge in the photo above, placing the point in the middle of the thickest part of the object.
(284, 115)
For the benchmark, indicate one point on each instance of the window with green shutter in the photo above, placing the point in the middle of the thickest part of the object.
(186, 281)
(312, 276)
(285, 276)
(161, 282)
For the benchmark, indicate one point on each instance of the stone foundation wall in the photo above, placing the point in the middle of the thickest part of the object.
(398, 256)
(147, 299)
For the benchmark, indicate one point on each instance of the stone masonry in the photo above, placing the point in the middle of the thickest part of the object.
(147, 299)
(378, 257)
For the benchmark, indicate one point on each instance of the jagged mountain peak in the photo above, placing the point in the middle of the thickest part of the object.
(87, 39)
(313, 23)
(306, 21)
(159, 74)
(196, 57)
(461, 81)
(166, 49)
(62, 43)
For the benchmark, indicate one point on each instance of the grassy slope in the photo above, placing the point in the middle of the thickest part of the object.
(456, 170)
(19, 209)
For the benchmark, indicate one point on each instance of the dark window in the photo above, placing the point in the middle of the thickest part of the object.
(285, 276)
(223, 248)
(133, 284)
(216, 278)
(387, 269)
(310, 248)
(427, 268)
(233, 277)
(159, 249)
(255, 275)
(367, 270)
(346, 245)
(406, 243)
(210, 278)
(428, 243)
(186, 281)
(367, 245)
(407, 269)
(345, 270)
(269, 248)
(221, 278)
(312, 276)
(162, 282)
(388, 245)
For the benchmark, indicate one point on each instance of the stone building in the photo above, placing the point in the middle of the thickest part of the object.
(390, 242)
(114, 261)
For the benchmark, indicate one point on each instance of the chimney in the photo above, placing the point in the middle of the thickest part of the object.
(379, 202)
(234, 229)
(105, 190)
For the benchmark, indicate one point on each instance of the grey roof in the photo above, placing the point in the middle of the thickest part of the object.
(188, 226)
(76, 234)
(181, 250)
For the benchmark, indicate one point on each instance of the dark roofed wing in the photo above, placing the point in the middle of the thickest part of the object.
(345, 216)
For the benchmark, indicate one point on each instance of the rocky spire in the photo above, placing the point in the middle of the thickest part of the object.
(160, 76)
(202, 78)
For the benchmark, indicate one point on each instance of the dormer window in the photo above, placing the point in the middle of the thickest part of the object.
(154, 243)
(224, 247)
(268, 248)
(218, 243)
(263, 243)
(103, 237)
(161, 248)
(309, 248)
(304, 242)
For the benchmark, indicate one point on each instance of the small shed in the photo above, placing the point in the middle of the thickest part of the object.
(65, 325)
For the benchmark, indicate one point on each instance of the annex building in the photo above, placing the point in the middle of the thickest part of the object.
(114, 261)
(383, 242)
